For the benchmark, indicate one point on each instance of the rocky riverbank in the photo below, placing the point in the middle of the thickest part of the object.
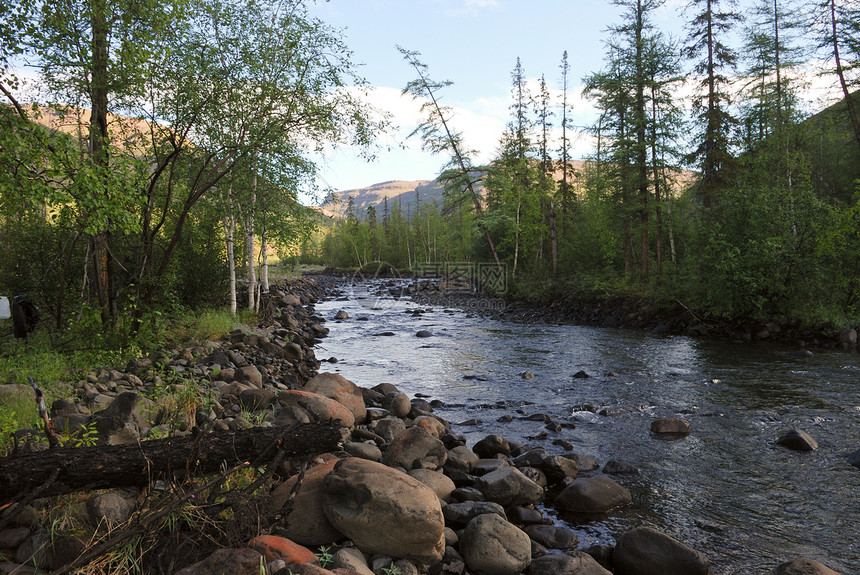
(404, 494)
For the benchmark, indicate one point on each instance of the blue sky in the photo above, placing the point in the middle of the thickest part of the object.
(474, 44)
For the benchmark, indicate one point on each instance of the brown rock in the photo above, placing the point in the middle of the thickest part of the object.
(337, 387)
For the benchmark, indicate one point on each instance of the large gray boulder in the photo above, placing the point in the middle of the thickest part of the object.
(597, 494)
(461, 458)
(390, 427)
(508, 486)
(384, 511)
(492, 546)
(415, 448)
(575, 563)
(342, 390)
(646, 551)
(803, 566)
(307, 523)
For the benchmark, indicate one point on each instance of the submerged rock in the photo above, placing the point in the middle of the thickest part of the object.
(646, 551)
(798, 440)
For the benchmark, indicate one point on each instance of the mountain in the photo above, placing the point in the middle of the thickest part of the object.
(400, 191)
(375, 195)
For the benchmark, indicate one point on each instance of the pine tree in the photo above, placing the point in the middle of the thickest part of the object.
(706, 46)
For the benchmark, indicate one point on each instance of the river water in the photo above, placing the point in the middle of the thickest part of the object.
(727, 489)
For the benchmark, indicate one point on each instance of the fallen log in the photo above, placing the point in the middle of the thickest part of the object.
(66, 470)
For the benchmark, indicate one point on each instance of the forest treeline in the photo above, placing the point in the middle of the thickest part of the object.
(741, 206)
(163, 155)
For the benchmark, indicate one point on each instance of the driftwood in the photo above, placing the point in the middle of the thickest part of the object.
(68, 469)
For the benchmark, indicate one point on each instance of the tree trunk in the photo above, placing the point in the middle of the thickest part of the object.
(138, 464)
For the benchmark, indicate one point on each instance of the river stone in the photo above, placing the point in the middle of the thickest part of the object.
(803, 566)
(525, 515)
(536, 475)
(234, 561)
(854, 459)
(646, 551)
(293, 352)
(340, 389)
(363, 449)
(491, 446)
(432, 424)
(273, 548)
(597, 494)
(508, 486)
(575, 563)
(397, 403)
(34, 550)
(461, 458)
(11, 538)
(257, 399)
(441, 484)
(385, 388)
(531, 458)
(64, 549)
(307, 524)
(558, 468)
(384, 511)
(389, 428)
(553, 537)
(492, 546)
(112, 507)
(461, 513)
(341, 314)
(798, 440)
(352, 560)
(671, 426)
(318, 405)
(250, 375)
(415, 448)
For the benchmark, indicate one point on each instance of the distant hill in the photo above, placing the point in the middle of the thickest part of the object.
(396, 191)
(829, 141)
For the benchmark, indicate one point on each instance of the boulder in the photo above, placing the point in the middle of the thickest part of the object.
(576, 563)
(854, 459)
(441, 484)
(597, 494)
(461, 458)
(318, 406)
(798, 440)
(389, 428)
(671, 426)
(363, 449)
(491, 446)
(234, 561)
(646, 551)
(273, 548)
(352, 560)
(307, 524)
(435, 427)
(255, 399)
(340, 389)
(492, 546)
(250, 375)
(553, 537)
(803, 566)
(508, 486)
(384, 510)
(113, 507)
(617, 467)
(397, 404)
(415, 448)
(461, 513)
(558, 468)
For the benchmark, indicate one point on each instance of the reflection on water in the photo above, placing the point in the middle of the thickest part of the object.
(727, 489)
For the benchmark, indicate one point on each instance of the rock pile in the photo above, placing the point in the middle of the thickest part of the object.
(405, 495)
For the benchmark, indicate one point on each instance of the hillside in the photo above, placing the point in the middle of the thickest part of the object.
(398, 191)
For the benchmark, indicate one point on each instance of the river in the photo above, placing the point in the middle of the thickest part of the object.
(727, 489)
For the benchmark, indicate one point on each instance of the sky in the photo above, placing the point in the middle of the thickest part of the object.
(474, 44)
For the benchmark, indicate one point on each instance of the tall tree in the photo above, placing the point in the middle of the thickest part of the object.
(438, 136)
(839, 38)
(714, 59)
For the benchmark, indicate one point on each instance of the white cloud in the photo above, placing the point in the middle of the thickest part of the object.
(471, 8)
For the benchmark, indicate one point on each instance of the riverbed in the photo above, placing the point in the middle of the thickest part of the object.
(726, 489)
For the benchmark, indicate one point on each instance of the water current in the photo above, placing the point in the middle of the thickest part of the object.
(726, 489)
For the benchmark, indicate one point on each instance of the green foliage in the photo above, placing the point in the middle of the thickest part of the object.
(324, 556)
